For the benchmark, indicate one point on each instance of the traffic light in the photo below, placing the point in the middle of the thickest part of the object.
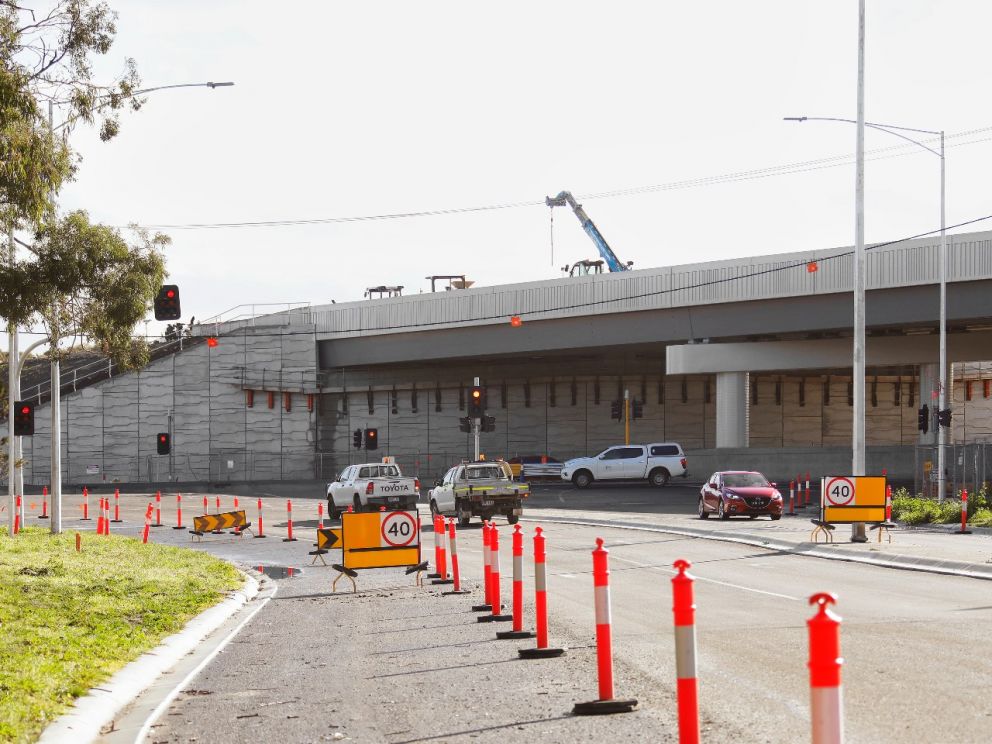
(163, 443)
(944, 417)
(615, 410)
(167, 303)
(356, 438)
(923, 419)
(371, 439)
(476, 402)
(637, 408)
(23, 418)
(465, 424)
(489, 423)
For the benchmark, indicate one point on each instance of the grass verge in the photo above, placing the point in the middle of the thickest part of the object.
(69, 620)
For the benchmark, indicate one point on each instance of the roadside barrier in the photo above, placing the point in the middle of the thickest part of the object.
(604, 641)
(148, 523)
(86, 504)
(261, 527)
(542, 651)
(826, 705)
(158, 510)
(44, 503)
(687, 686)
(964, 513)
(517, 630)
(486, 568)
(455, 574)
(495, 600)
(179, 511)
(320, 514)
(792, 498)
(289, 522)
(17, 515)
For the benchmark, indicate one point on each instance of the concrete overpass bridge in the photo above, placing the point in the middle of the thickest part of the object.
(745, 362)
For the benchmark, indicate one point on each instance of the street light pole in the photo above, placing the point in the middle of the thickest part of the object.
(942, 356)
(858, 458)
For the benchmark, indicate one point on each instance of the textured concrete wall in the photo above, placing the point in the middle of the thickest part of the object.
(109, 429)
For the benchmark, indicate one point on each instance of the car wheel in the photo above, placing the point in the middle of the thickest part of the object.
(512, 519)
(358, 505)
(332, 513)
(658, 477)
(701, 510)
(463, 517)
(721, 512)
(776, 517)
(582, 479)
(752, 516)
(434, 511)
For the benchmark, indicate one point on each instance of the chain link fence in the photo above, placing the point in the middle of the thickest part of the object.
(967, 465)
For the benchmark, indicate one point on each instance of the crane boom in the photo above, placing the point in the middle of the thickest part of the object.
(565, 198)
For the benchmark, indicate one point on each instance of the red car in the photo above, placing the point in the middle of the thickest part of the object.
(742, 493)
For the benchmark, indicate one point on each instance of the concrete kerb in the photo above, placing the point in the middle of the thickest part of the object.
(95, 710)
(813, 550)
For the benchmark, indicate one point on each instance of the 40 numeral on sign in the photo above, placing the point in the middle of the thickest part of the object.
(398, 530)
(839, 492)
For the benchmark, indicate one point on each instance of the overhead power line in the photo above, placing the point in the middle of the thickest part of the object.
(805, 166)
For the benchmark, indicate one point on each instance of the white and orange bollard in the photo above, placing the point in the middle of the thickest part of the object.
(44, 503)
(148, 522)
(456, 576)
(320, 515)
(158, 510)
(517, 630)
(964, 514)
(289, 522)
(792, 498)
(542, 650)
(442, 561)
(436, 573)
(806, 501)
(217, 531)
(179, 511)
(206, 505)
(17, 515)
(495, 598)
(106, 516)
(687, 686)
(486, 606)
(86, 504)
(99, 516)
(826, 702)
(261, 527)
(606, 703)
(117, 506)
(237, 528)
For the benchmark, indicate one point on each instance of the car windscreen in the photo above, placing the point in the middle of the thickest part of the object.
(479, 472)
(743, 480)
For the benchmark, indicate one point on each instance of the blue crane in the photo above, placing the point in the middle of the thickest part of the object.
(566, 198)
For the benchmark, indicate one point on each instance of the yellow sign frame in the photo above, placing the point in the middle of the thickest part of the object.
(364, 543)
(866, 505)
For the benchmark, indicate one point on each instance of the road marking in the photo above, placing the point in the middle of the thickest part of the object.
(710, 581)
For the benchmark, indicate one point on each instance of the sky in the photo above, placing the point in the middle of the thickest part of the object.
(345, 109)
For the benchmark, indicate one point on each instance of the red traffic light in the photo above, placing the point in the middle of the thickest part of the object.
(25, 410)
(515, 321)
(211, 341)
(170, 293)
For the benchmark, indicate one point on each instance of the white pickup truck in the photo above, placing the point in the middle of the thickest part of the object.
(479, 489)
(371, 485)
(656, 463)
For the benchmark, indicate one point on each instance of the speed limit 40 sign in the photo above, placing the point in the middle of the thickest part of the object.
(853, 498)
(384, 539)
(398, 529)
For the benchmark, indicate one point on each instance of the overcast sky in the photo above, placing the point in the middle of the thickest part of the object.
(350, 109)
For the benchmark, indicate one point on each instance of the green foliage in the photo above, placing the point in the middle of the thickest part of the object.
(46, 57)
(924, 510)
(87, 280)
(70, 620)
(981, 518)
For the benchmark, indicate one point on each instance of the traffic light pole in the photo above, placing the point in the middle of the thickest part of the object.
(626, 417)
(476, 426)
(15, 475)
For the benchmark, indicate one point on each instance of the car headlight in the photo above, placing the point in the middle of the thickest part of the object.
(733, 496)
(777, 496)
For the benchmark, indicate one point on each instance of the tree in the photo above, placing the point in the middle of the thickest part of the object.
(88, 280)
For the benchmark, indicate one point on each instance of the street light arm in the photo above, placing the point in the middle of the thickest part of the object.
(888, 128)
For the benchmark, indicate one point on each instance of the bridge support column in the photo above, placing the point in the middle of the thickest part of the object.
(731, 409)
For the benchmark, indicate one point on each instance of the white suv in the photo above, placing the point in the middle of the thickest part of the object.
(655, 463)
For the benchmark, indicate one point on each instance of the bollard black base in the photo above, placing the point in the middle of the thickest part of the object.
(42, 516)
(482, 608)
(540, 653)
(285, 539)
(443, 581)
(120, 521)
(179, 527)
(494, 618)
(604, 707)
(513, 634)
(460, 591)
(434, 575)
(961, 532)
(261, 535)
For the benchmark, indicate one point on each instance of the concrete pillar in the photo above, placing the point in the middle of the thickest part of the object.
(731, 409)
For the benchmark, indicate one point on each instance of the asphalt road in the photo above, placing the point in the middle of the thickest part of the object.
(397, 663)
